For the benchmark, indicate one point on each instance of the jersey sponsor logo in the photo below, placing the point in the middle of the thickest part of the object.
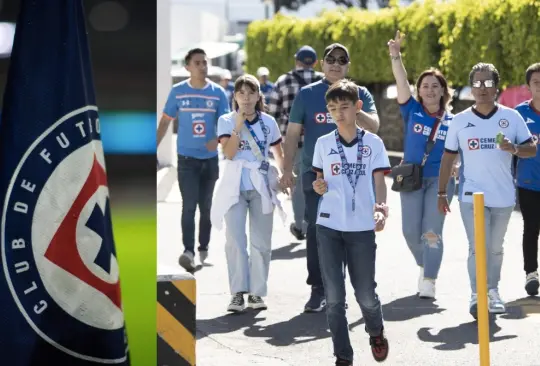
(320, 117)
(197, 115)
(335, 168)
(503, 123)
(418, 128)
(63, 266)
(199, 129)
(482, 143)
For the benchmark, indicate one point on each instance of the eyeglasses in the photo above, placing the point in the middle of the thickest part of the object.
(330, 60)
(487, 83)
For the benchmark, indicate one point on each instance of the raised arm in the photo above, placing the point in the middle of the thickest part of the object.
(398, 69)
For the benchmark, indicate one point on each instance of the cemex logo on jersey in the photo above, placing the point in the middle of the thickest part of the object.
(60, 292)
(483, 143)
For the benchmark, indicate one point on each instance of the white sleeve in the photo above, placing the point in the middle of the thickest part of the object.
(275, 134)
(379, 159)
(224, 126)
(523, 134)
(317, 163)
(451, 143)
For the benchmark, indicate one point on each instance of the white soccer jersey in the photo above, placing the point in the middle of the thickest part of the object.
(486, 168)
(335, 207)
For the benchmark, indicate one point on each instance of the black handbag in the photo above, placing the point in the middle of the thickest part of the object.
(408, 177)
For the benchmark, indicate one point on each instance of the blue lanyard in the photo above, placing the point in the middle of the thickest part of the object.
(345, 164)
(261, 144)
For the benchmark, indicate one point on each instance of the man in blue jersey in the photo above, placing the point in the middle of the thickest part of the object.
(309, 112)
(528, 183)
(266, 85)
(197, 103)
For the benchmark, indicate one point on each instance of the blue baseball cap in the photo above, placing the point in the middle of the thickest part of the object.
(306, 55)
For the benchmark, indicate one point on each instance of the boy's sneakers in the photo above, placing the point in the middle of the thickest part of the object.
(237, 303)
(379, 347)
(256, 303)
(317, 301)
(342, 362)
(203, 256)
(532, 283)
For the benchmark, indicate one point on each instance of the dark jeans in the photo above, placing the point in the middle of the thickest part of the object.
(311, 203)
(529, 202)
(358, 251)
(196, 179)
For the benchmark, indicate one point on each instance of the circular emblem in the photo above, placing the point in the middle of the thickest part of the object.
(366, 151)
(535, 138)
(209, 103)
(503, 123)
(320, 118)
(418, 128)
(57, 245)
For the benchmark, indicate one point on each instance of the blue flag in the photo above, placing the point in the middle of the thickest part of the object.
(60, 298)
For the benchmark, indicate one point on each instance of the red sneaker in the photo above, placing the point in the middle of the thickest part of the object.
(379, 347)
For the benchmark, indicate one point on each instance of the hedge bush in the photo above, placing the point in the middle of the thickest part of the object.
(450, 35)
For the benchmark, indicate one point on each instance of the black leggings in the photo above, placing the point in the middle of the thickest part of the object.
(529, 202)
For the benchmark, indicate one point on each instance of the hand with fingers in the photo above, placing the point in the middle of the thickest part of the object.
(320, 186)
(394, 45)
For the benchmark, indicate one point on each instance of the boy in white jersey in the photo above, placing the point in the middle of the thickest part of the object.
(486, 167)
(347, 162)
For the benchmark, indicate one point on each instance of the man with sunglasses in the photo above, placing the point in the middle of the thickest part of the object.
(309, 113)
(486, 167)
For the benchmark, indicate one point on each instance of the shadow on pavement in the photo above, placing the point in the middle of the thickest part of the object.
(407, 308)
(522, 308)
(302, 328)
(456, 338)
(228, 323)
(288, 252)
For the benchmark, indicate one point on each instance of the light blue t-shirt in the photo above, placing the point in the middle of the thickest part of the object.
(265, 128)
(198, 111)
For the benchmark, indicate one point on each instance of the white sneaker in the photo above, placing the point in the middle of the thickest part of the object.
(187, 261)
(495, 303)
(532, 283)
(427, 289)
(256, 303)
(203, 256)
(237, 303)
(420, 279)
(473, 306)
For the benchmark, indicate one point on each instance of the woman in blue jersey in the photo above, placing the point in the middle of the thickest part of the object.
(426, 119)
(249, 186)
(528, 183)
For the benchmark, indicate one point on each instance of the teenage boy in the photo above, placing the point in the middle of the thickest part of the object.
(348, 161)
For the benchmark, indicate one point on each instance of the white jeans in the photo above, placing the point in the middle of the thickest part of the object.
(248, 272)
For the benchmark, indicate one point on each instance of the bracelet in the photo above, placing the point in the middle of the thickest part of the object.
(442, 195)
(382, 208)
(395, 58)
(515, 149)
(236, 133)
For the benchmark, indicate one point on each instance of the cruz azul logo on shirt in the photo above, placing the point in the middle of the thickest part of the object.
(323, 118)
(244, 145)
(349, 168)
(482, 143)
(199, 129)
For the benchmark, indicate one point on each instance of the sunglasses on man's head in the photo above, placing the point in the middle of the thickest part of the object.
(486, 83)
(332, 60)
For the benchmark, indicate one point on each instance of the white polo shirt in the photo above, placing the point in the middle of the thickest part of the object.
(335, 207)
(486, 168)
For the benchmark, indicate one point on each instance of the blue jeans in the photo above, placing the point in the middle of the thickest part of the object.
(196, 179)
(496, 220)
(312, 204)
(357, 250)
(422, 224)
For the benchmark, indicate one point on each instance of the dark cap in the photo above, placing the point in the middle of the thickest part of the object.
(335, 46)
(306, 55)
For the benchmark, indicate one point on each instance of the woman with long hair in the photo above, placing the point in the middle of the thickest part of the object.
(426, 117)
(249, 185)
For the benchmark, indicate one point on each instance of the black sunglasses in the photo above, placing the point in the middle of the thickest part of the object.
(332, 60)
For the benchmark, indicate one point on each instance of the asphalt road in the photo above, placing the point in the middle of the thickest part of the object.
(420, 332)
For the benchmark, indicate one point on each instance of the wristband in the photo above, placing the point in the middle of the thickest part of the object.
(442, 195)
(382, 208)
(395, 58)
